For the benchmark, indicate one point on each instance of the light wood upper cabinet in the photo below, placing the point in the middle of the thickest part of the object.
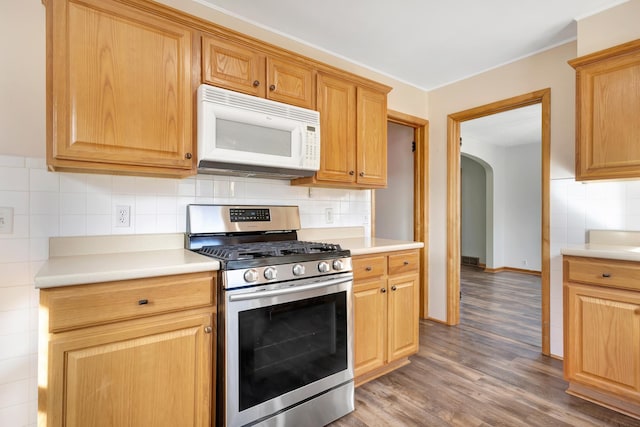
(233, 66)
(120, 89)
(353, 129)
(386, 318)
(607, 111)
(128, 353)
(244, 68)
(602, 332)
(337, 107)
(371, 141)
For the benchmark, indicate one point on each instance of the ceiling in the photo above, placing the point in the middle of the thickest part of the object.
(509, 128)
(424, 43)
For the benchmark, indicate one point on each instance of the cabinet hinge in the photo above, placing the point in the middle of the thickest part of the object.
(413, 146)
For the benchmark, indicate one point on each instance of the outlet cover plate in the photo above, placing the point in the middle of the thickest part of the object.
(6, 220)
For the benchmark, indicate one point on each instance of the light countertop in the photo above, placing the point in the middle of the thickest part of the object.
(610, 244)
(373, 245)
(599, 250)
(78, 260)
(95, 259)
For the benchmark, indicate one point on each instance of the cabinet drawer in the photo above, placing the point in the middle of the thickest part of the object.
(403, 262)
(369, 266)
(619, 274)
(79, 306)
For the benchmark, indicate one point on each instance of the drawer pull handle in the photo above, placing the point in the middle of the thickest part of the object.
(406, 263)
(368, 268)
(143, 302)
(606, 275)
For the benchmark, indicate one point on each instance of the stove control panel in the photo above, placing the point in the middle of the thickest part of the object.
(284, 272)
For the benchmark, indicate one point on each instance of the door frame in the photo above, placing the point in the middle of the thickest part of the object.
(453, 200)
(420, 196)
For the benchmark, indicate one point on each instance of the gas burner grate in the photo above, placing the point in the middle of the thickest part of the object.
(268, 249)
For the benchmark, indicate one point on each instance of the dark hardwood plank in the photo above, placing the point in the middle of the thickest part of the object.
(487, 371)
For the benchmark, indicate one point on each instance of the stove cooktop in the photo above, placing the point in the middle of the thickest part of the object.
(272, 253)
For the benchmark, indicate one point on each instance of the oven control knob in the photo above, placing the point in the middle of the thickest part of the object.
(250, 275)
(324, 267)
(270, 273)
(298, 270)
(338, 265)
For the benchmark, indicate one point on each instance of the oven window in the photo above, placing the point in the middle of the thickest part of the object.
(287, 346)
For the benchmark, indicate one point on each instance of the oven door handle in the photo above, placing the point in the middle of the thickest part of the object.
(291, 290)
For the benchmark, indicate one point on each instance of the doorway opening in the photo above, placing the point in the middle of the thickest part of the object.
(420, 204)
(542, 97)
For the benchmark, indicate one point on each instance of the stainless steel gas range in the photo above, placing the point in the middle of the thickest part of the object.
(284, 317)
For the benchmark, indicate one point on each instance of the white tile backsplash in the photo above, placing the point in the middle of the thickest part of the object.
(48, 204)
(576, 208)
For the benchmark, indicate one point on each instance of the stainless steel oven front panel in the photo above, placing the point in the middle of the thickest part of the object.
(246, 301)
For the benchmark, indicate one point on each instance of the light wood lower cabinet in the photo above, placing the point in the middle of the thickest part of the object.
(602, 332)
(144, 360)
(385, 295)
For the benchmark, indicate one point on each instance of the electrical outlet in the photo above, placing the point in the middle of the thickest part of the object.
(123, 216)
(328, 213)
(6, 220)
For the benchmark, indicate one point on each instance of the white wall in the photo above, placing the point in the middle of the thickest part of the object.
(548, 69)
(574, 207)
(523, 216)
(394, 204)
(473, 213)
(515, 200)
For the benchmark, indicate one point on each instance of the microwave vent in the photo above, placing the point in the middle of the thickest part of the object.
(252, 103)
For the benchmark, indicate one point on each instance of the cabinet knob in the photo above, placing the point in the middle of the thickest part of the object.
(272, 87)
(256, 83)
(143, 302)
(393, 288)
(368, 268)
(383, 290)
(361, 174)
(188, 156)
(606, 275)
(406, 263)
(207, 329)
(352, 173)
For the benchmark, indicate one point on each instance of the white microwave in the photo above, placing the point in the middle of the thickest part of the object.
(245, 135)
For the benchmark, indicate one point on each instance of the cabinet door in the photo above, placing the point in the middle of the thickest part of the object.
(154, 373)
(121, 93)
(608, 107)
(372, 138)
(603, 339)
(233, 66)
(291, 83)
(337, 107)
(403, 316)
(370, 325)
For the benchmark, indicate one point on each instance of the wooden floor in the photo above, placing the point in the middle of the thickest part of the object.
(488, 371)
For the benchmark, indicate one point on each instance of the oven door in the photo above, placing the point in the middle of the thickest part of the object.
(287, 344)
